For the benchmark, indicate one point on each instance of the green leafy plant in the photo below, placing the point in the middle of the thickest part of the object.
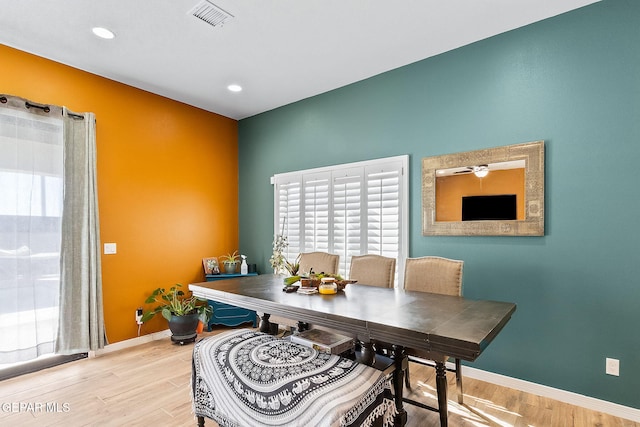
(234, 257)
(174, 302)
(230, 262)
(292, 267)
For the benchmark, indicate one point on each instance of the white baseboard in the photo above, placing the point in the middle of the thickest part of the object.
(554, 393)
(131, 343)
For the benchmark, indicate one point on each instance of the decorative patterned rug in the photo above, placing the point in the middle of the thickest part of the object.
(247, 378)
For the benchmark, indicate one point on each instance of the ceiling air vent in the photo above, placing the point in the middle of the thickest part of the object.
(210, 13)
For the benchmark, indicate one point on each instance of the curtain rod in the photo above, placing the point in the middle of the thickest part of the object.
(45, 108)
(74, 115)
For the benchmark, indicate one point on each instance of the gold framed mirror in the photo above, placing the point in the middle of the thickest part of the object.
(492, 192)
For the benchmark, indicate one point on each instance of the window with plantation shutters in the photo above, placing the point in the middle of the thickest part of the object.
(352, 209)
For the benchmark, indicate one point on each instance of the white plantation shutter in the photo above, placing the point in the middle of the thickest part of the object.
(347, 215)
(383, 210)
(315, 209)
(353, 209)
(288, 199)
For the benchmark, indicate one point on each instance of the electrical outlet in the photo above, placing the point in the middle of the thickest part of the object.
(139, 316)
(613, 367)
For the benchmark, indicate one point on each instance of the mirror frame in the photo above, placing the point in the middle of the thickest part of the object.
(531, 225)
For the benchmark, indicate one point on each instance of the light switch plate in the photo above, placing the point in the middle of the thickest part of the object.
(109, 248)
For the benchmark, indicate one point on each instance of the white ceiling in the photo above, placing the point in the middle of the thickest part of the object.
(280, 51)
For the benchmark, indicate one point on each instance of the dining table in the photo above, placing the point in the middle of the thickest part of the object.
(398, 321)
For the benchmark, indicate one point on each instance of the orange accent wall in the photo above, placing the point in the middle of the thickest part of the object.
(167, 181)
(451, 189)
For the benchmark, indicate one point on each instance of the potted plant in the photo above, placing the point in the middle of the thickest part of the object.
(230, 262)
(292, 267)
(182, 312)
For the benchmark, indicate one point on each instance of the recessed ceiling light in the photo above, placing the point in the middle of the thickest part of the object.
(103, 33)
(235, 88)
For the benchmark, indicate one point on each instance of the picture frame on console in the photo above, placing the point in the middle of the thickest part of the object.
(210, 265)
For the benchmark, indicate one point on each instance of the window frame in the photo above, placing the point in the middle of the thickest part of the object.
(295, 181)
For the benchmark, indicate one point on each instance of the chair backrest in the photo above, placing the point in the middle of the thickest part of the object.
(433, 274)
(373, 270)
(320, 262)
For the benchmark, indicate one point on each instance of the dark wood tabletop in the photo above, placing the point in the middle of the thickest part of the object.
(453, 326)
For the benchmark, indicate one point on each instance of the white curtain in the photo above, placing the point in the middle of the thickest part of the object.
(81, 324)
(31, 176)
(50, 275)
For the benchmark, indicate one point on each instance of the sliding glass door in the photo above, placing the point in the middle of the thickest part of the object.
(31, 195)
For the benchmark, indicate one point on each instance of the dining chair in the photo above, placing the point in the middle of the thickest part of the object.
(374, 270)
(320, 262)
(436, 275)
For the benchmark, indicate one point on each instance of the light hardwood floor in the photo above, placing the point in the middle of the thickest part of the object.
(148, 385)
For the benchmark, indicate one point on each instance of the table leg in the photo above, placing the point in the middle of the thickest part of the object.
(265, 325)
(459, 382)
(441, 387)
(302, 326)
(400, 360)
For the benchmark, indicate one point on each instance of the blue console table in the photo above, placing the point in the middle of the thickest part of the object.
(229, 315)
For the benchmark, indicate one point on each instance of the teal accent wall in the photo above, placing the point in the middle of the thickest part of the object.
(573, 81)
